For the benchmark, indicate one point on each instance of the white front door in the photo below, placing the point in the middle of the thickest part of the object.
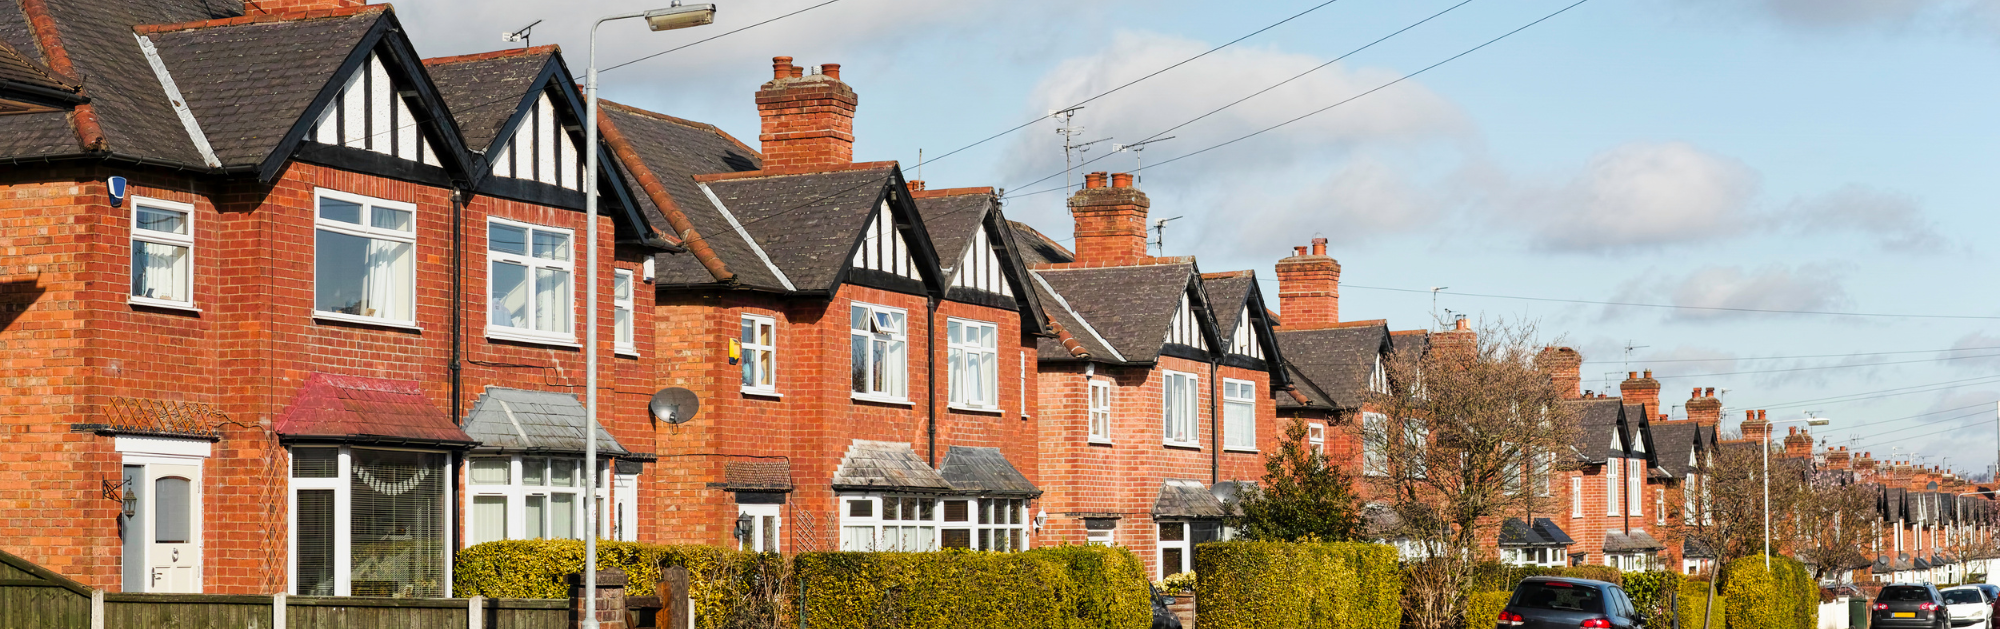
(173, 514)
(764, 530)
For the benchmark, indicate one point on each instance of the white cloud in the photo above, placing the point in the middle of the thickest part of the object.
(1978, 17)
(1894, 220)
(1707, 293)
(1976, 351)
(1637, 195)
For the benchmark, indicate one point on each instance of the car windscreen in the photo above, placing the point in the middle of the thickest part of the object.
(1961, 597)
(1903, 594)
(1560, 596)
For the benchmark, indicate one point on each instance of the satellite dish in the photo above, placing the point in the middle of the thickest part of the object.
(675, 405)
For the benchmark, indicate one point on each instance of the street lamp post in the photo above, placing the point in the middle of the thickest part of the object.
(1773, 427)
(670, 18)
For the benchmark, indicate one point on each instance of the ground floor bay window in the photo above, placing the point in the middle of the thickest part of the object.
(525, 497)
(924, 523)
(1177, 541)
(369, 522)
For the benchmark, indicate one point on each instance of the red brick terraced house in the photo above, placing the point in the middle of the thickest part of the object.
(1152, 415)
(864, 352)
(260, 282)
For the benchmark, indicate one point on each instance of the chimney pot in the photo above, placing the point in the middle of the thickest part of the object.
(1794, 429)
(1749, 416)
(1649, 373)
(1319, 246)
(831, 70)
(1711, 392)
(1696, 394)
(916, 184)
(805, 124)
(1110, 223)
(781, 67)
(1631, 375)
(1299, 250)
(1093, 181)
(1463, 324)
(1760, 416)
(1121, 180)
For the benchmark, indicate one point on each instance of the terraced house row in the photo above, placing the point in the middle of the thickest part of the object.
(288, 307)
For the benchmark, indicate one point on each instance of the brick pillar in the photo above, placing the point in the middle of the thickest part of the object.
(1565, 368)
(1110, 221)
(1641, 390)
(808, 120)
(610, 599)
(1309, 288)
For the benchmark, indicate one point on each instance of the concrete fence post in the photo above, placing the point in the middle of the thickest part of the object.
(475, 613)
(97, 609)
(278, 620)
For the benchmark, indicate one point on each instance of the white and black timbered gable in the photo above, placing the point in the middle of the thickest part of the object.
(538, 157)
(892, 250)
(379, 114)
(1252, 343)
(1191, 332)
(990, 272)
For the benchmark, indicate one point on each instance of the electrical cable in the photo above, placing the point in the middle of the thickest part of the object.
(1899, 362)
(1672, 306)
(1851, 355)
(1882, 393)
(1897, 419)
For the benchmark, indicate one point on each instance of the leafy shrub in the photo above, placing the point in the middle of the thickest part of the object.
(1176, 583)
(1063, 587)
(537, 568)
(1650, 591)
(1311, 585)
(1694, 601)
(1781, 597)
(1482, 608)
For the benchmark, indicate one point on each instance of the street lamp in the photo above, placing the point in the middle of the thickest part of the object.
(667, 19)
(1809, 421)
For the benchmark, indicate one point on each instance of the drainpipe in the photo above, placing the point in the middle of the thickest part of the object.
(457, 367)
(1214, 421)
(930, 372)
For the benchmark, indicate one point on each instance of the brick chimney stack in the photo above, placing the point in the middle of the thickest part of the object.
(295, 6)
(1838, 459)
(1110, 221)
(1798, 443)
(1309, 288)
(1565, 369)
(1755, 428)
(808, 120)
(1865, 463)
(1641, 390)
(1704, 408)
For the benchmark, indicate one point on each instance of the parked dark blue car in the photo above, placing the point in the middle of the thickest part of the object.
(1552, 603)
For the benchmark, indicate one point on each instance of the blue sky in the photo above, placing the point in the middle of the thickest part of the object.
(1823, 155)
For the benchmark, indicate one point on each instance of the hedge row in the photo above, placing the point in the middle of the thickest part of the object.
(1783, 597)
(1258, 585)
(1493, 576)
(1650, 591)
(1060, 587)
(537, 568)
(1694, 600)
(1482, 609)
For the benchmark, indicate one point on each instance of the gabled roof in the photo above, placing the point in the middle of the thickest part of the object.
(808, 225)
(660, 156)
(1543, 532)
(1334, 364)
(1675, 440)
(954, 218)
(1597, 421)
(28, 86)
(1129, 308)
(485, 90)
(1037, 248)
(520, 420)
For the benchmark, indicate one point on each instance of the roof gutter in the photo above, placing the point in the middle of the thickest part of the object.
(683, 228)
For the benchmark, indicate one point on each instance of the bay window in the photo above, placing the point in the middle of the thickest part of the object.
(529, 282)
(1177, 541)
(524, 497)
(760, 354)
(878, 338)
(1239, 415)
(874, 522)
(162, 253)
(974, 364)
(364, 259)
(367, 522)
(1181, 393)
(1100, 411)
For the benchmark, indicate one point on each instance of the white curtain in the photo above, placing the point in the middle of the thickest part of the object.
(489, 518)
(551, 300)
(162, 271)
(387, 288)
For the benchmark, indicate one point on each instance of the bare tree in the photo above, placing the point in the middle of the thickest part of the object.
(1460, 433)
(1729, 518)
(1831, 526)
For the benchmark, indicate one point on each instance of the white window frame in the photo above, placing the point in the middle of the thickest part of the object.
(1180, 416)
(343, 534)
(968, 350)
(1162, 546)
(361, 231)
(1417, 436)
(1239, 415)
(1660, 506)
(625, 331)
(751, 349)
(1635, 487)
(898, 391)
(1545, 472)
(1613, 500)
(1316, 437)
(877, 522)
(1100, 411)
(766, 521)
(517, 491)
(1374, 433)
(497, 330)
(1576, 496)
(1101, 537)
(163, 238)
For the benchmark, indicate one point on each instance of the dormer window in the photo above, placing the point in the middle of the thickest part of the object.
(1378, 380)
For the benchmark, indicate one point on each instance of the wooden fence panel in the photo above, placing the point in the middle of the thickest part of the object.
(527, 613)
(335, 612)
(42, 606)
(186, 611)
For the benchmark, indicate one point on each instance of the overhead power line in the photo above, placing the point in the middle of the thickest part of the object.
(1930, 387)
(1754, 358)
(1829, 313)
(720, 36)
(1898, 362)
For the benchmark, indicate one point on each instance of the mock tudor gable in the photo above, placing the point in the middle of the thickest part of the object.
(969, 231)
(1135, 313)
(1245, 324)
(814, 231)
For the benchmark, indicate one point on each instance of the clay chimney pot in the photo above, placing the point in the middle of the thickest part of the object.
(831, 70)
(916, 184)
(1711, 392)
(1649, 373)
(781, 67)
(1299, 250)
(1631, 375)
(1093, 181)
(798, 71)
(1319, 246)
(1121, 180)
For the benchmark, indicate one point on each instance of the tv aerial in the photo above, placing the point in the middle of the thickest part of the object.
(1138, 152)
(522, 35)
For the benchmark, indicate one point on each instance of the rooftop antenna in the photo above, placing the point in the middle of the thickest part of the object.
(920, 164)
(1138, 152)
(1069, 130)
(522, 35)
(1628, 353)
(1434, 301)
(1160, 233)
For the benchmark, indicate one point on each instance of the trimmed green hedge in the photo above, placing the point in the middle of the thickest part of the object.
(1649, 591)
(1061, 587)
(1783, 597)
(1482, 609)
(1336, 585)
(537, 568)
(1694, 596)
(1493, 576)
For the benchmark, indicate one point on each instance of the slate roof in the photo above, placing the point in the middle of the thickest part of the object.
(985, 472)
(1596, 421)
(1059, 311)
(674, 151)
(886, 466)
(1230, 293)
(1186, 499)
(484, 91)
(1675, 441)
(757, 476)
(1038, 248)
(1333, 363)
(249, 84)
(18, 69)
(353, 408)
(1634, 541)
(1544, 532)
(806, 223)
(520, 420)
(1232, 492)
(1129, 306)
(951, 221)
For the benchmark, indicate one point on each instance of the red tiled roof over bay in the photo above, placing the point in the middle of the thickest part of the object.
(367, 409)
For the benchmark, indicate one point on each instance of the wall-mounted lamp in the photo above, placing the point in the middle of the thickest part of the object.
(121, 491)
(743, 527)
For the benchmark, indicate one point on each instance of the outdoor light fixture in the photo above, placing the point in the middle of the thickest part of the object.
(677, 16)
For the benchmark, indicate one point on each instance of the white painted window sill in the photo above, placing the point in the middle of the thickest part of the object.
(628, 352)
(884, 399)
(1239, 449)
(185, 306)
(769, 393)
(1099, 441)
(518, 336)
(975, 409)
(377, 321)
(1193, 445)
